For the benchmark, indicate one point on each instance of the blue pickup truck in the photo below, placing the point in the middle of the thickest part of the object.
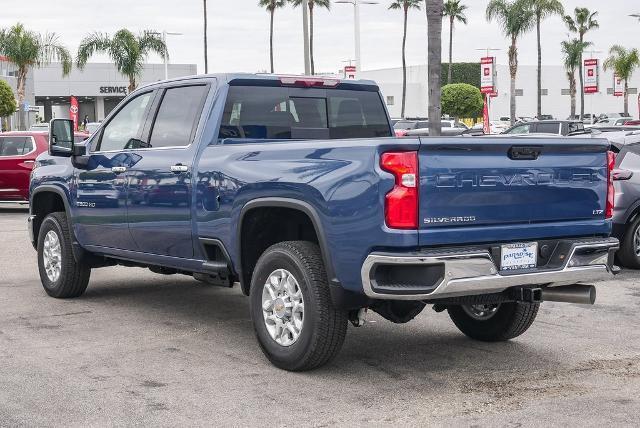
(295, 189)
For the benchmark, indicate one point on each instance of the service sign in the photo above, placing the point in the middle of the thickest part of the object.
(618, 86)
(488, 75)
(591, 76)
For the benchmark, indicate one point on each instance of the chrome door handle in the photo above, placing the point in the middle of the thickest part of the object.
(119, 169)
(178, 168)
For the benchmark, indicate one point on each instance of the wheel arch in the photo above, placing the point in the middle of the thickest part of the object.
(44, 200)
(302, 207)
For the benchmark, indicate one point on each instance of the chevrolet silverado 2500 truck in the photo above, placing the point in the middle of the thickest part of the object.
(295, 189)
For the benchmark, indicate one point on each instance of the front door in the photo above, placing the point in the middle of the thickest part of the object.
(160, 183)
(101, 188)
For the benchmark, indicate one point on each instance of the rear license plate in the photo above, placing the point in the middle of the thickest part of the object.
(519, 256)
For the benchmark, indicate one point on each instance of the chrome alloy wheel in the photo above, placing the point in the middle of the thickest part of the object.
(52, 256)
(481, 312)
(636, 241)
(283, 307)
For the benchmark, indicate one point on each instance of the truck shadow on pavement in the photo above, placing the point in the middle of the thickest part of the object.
(430, 344)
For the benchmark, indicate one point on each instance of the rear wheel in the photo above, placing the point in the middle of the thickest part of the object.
(61, 276)
(629, 253)
(294, 319)
(494, 323)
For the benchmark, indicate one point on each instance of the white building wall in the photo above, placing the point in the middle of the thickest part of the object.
(554, 79)
(87, 82)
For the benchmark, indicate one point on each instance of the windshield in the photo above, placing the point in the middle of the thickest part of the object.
(292, 113)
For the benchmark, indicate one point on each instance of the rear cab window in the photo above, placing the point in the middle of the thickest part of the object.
(280, 113)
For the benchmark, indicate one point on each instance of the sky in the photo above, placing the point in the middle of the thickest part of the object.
(239, 31)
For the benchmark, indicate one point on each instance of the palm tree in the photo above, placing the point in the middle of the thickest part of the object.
(126, 50)
(623, 62)
(572, 50)
(542, 10)
(312, 4)
(404, 5)
(271, 6)
(26, 49)
(582, 21)
(206, 52)
(455, 11)
(515, 18)
(434, 9)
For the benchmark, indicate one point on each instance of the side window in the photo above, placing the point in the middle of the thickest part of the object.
(575, 127)
(13, 146)
(356, 114)
(522, 129)
(123, 130)
(548, 128)
(177, 116)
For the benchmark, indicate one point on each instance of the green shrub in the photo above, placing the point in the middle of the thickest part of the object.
(8, 104)
(461, 100)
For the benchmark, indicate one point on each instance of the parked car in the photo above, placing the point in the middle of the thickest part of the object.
(92, 127)
(546, 117)
(448, 128)
(611, 115)
(495, 126)
(403, 126)
(632, 122)
(612, 121)
(626, 215)
(18, 151)
(555, 127)
(323, 214)
(39, 127)
(618, 136)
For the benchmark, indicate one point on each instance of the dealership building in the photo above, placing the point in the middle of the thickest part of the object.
(555, 92)
(98, 87)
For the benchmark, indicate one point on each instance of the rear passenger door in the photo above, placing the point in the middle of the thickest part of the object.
(15, 167)
(160, 183)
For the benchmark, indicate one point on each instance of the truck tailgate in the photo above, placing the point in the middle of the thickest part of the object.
(512, 183)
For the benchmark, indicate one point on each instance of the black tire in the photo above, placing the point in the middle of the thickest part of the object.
(74, 277)
(509, 320)
(627, 252)
(324, 327)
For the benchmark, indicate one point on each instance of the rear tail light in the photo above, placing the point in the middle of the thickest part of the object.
(611, 162)
(401, 203)
(400, 132)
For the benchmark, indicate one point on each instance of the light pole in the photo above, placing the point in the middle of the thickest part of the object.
(356, 25)
(166, 57)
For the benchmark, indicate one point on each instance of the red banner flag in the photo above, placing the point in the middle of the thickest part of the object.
(73, 112)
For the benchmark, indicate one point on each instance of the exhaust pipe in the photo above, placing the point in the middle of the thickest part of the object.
(578, 293)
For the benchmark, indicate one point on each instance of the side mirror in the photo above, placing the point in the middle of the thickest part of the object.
(61, 137)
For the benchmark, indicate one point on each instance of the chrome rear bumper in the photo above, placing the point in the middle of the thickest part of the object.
(474, 272)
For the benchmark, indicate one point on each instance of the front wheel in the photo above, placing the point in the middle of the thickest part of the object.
(61, 275)
(494, 323)
(293, 316)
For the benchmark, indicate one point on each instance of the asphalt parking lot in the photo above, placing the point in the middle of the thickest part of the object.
(144, 349)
